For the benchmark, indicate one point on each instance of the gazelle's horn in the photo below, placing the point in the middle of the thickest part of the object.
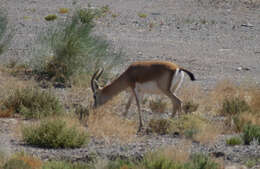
(93, 81)
(100, 71)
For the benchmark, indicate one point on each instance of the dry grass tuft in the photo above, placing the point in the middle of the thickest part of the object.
(158, 105)
(192, 96)
(225, 89)
(208, 133)
(33, 162)
(8, 83)
(104, 123)
(255, 99)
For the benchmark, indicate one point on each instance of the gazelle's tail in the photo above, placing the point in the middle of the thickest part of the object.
(189, 73)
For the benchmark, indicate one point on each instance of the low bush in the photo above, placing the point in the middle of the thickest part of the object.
(32, 103)
(189, 125)
(234, 141)
(251, 132)
(54, 133)
(233, 106)
(51, 17)
(186, 125)
(157, 160)
(160, 126)
(201, 161)
(69, 49)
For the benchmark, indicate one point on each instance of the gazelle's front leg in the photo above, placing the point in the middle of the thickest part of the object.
(128, 104)
(137, 98)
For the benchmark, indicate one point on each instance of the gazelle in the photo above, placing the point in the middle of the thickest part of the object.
(152, 77)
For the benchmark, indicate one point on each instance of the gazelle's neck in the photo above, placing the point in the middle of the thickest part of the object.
(114, 88)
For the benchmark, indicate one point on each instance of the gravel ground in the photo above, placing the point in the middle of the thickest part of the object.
(213, 39)
(231, 155)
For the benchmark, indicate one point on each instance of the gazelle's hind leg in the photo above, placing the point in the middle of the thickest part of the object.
(176, 102)
(170, 89)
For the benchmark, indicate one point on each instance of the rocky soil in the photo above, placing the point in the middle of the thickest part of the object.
(214, 39)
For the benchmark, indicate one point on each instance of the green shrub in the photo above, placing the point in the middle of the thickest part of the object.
(250, 133)
(201, 161)
(189, 107)
(190, 132)
(5, 36)
(142, 15)
(87, 16)
(188, 125)
(68, 49)
(66, 165)
(157, 161)
(234, 141)
(234, 106)
(54, 133)
(33, 103)
(50, 17)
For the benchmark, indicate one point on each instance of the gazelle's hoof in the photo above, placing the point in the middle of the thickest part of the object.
(141, 132)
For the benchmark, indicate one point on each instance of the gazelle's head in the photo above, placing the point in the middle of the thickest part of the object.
(98, 100)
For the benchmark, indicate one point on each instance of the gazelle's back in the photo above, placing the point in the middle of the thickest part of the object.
(149, 70)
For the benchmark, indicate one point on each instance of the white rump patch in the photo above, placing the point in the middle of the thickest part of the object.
(177, 80)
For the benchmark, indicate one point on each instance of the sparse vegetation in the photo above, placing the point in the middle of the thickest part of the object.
(234, 141)
(201, 161)
(31, 103)
(68, 47)
(158, 105)
(234, 106)
(252, 162)
(160, 126)
(250, 133)
(189, 107)
(22, 161)
(189, 125)
(104, 123)
(50, 17)
(158, 160)
(66, 165)
(54, 133)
